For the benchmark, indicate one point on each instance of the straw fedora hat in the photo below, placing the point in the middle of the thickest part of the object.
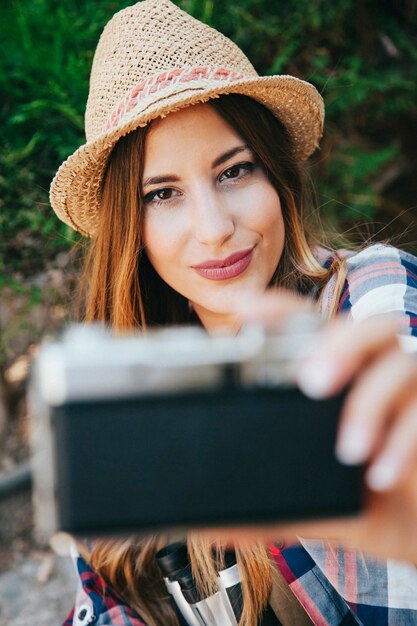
(152, 59)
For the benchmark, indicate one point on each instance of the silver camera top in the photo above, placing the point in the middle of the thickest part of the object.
(91, 362)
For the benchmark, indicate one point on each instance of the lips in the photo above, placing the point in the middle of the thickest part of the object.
(225, 269)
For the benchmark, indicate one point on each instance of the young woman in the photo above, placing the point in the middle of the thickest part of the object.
(192, 190)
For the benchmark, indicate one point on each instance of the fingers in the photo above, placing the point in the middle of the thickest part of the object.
(379, 420)
(272, 307)
(399, 453)
(339, 352)
(342, 350)
(377, 396)
(346, 529)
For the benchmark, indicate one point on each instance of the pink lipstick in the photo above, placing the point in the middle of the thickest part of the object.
(224, 269)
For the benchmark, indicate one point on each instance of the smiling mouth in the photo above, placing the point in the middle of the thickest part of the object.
(225, 269)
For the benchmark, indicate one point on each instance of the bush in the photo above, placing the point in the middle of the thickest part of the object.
(361, 56)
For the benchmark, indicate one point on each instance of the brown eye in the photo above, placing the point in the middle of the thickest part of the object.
(236, 171)
(159, 194)
(232, 172)
(164, 194)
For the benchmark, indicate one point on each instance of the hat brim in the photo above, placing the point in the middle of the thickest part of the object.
(76, 189)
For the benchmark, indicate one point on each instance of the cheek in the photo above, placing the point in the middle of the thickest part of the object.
(270, 225)
(149, 232)
(267, 219)
(158, 232)
(164, 242)
(157, 239)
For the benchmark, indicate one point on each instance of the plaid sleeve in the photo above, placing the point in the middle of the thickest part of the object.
(338, 586)
(96, 603)
(379, 592)
(320, 599)
(381, 280)
(70, 618)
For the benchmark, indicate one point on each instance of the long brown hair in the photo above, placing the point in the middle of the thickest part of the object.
(122, 288)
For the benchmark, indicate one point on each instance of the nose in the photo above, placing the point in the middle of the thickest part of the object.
(213, 220)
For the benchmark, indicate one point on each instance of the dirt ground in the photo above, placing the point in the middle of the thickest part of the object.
(36, 586)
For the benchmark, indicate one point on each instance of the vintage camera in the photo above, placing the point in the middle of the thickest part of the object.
(176, 429)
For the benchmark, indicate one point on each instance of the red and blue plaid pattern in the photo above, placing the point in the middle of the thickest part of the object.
(335, 585)
(381, 280)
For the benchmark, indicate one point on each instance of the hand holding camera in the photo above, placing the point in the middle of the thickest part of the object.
(179, 429)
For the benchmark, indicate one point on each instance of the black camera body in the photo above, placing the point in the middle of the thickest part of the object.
(179, 430)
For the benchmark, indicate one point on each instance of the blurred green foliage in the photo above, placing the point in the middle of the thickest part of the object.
(362, 56)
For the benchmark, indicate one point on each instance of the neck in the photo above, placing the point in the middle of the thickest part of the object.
(218, 322)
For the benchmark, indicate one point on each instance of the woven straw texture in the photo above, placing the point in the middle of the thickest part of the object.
(152, 59)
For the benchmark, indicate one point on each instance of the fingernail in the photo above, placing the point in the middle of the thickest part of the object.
(383, 475)
(315, 378)
(353, 445)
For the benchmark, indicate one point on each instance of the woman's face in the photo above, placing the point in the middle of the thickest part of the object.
(213, 226)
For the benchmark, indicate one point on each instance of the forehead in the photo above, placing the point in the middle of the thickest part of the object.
(197, 128)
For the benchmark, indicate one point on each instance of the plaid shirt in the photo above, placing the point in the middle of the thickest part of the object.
(380, 280)
(336, 585)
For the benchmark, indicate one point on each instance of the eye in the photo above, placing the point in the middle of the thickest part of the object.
(236, 171)
(159, 195)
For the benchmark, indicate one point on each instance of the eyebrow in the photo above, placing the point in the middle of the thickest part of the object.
(170, 178)
(228, 155)
(157, 180)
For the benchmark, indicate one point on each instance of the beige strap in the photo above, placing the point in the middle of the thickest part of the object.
(284, 603)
